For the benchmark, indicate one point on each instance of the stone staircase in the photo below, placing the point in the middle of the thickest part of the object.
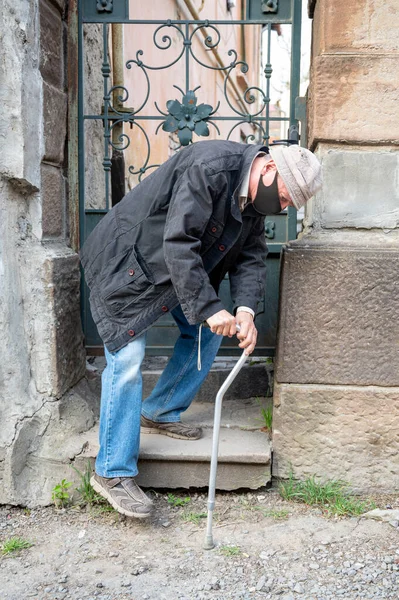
(244, 448)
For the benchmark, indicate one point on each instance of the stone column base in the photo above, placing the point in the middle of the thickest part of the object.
(336, 392)
(338, 432)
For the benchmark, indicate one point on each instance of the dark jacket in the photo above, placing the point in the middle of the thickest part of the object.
(172, 239)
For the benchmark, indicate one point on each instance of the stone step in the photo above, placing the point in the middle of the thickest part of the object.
(244, 450)
(254, 379)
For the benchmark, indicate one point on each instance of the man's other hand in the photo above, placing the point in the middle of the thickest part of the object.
(222, 323)
(248, 332)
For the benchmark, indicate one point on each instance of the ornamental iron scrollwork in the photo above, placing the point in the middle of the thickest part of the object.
(269, 6)
(186, 116)
(105, 6)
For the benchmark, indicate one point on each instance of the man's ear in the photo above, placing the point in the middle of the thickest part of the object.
(268, 166)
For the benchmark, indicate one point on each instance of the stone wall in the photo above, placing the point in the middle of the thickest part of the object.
(337, 388)
(41, 343)
(94, 130)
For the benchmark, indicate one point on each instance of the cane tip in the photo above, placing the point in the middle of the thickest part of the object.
(209, 545)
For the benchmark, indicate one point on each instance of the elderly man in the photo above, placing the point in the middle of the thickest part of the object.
(166, 247)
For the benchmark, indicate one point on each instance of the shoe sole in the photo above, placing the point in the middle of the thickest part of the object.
(157, 431)
(100, 490)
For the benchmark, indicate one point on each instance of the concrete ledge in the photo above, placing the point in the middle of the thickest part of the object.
(244, 455)
(235, 446)
(229, 477)
(340, 432)
(244, 460)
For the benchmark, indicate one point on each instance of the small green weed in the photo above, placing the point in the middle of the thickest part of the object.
(277, 515)
(176, 501)
(88, 495)
(332, 496)
(257, 361)
(60, 495)
(85, 490)
(15, 544)
(267, 415)
(230, 550)
(194, 517)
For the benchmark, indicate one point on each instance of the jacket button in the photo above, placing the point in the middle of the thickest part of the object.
(222, 248)
(214, 229)
(131, 332)
(165, 309)
(131, 272)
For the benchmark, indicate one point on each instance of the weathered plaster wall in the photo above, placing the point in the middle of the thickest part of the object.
(337, 388)
(41, 349)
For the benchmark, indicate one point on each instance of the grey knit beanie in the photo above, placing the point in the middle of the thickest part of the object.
(300, 170)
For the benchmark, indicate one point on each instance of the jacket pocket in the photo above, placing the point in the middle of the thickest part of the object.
(123, 280)
(212, 232)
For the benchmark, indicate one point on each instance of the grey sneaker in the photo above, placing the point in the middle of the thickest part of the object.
(177, 430)
(124, 495)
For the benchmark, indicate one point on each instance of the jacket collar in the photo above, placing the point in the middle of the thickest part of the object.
(248, 156)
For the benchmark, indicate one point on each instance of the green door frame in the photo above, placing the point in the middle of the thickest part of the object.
(279, 229)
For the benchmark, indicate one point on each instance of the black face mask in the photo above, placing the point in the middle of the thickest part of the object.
(266, 201)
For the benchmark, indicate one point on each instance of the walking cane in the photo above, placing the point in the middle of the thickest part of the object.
(209, 544)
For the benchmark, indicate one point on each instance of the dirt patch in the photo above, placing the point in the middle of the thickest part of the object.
(266, 548)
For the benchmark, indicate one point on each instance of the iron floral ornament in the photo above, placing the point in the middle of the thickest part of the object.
(186, 117)
(105, 6)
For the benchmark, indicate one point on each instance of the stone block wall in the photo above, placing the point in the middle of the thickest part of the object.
(41, 342)
(54, 110)
(353, 93)
(337, 384)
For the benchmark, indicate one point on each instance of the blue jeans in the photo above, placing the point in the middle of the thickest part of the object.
(121, 394)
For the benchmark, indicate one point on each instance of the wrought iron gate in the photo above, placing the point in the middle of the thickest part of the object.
(122, 117)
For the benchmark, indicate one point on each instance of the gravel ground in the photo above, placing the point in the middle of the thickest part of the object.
(266, 548)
